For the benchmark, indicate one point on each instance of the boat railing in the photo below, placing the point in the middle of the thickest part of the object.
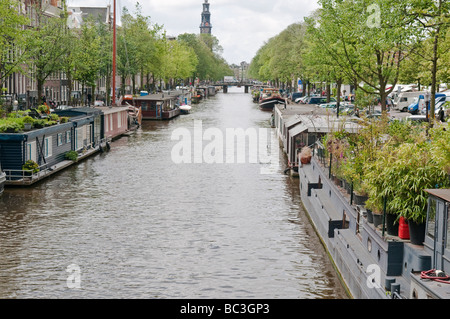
(319, 152)
(26, 175)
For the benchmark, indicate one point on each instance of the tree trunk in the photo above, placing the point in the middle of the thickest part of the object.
(433, 74)
(40, 84)
(328, 92)
(338, 96)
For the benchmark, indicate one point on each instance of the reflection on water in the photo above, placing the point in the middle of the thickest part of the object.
(139, 226)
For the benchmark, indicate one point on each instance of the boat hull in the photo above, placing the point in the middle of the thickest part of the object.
(2, 182)
(269, 104)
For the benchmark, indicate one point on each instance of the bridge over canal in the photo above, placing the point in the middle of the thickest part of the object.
(225, 85)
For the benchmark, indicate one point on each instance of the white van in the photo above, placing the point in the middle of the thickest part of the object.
(404, 99)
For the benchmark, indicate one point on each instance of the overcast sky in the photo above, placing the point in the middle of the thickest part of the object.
(242, 26)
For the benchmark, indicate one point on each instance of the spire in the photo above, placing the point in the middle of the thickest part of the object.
(205, 26)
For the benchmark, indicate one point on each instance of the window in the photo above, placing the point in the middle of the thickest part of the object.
(31, 151)
(119, 119)
(404, 99)
(68, 136)
(79, 138)
(106, 124)
(431, 222)
(48, 147)
(60, 142)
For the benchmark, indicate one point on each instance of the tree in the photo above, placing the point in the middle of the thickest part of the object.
(47, 46)
(13, 36)
(87, 56)
(372, 41)
(211, 66)
(432, 19)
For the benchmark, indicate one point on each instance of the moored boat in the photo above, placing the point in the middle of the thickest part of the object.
(185, 109)
(269, 98)
(2, 181)
(157, 106)
(373, 261)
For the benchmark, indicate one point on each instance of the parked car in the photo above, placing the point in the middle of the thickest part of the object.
(331, 105)
(419, 103)
(320, 100)
(302, 100)
(99, 103)
(346, 109)
(417, 118)
(405, 99)
(442, 100)
(296, 95)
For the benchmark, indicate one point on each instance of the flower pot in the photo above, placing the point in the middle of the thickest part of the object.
(391, 225)
(347, 186)
(377, 219)
(305, 159)
(403, 229)
(369, 216)
(416, 232)
(359, 199)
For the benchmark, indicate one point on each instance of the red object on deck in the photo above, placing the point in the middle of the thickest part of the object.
(403, 229)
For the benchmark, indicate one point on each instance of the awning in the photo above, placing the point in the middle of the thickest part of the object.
(299, 128)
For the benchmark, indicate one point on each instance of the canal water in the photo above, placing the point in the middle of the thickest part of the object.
(129, 223)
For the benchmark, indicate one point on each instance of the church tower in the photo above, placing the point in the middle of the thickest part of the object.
(205, 27)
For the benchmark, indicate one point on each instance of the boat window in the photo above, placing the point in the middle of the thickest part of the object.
(431, 218)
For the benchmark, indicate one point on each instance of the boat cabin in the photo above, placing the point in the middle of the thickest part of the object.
(435, 282)
(158, 106)
(437, 235)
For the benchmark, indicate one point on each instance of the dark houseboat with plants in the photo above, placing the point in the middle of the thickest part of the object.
(50, 143)
(386, 238)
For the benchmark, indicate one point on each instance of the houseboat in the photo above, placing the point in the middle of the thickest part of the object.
(372, 264)
(269, 98)
(2, 181)
(116, 121)
(47, 147)
(296, 130)
(163, 106)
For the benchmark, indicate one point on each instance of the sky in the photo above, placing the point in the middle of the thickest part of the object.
(241, 26)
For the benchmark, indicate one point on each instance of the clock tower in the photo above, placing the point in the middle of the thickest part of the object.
(205, 27)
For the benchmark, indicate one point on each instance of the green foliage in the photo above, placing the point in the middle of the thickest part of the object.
(396, 162)
(13, 38)
(71, 155)
(10, 126)
(31, 165)
(28, 119)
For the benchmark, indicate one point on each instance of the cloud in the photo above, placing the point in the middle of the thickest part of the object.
(242, 26)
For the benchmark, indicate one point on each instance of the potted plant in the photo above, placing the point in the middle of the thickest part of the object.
(30, 167)
(71, 156)
(39, 123)
(417, 166)
(28, 122)
(305, 155)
